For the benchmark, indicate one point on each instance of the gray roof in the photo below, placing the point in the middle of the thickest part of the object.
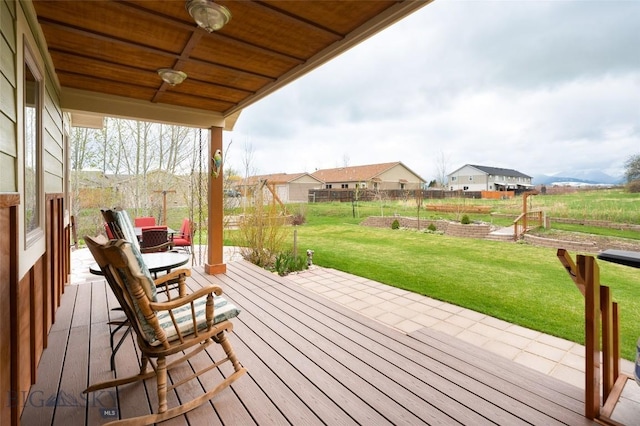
(497, 171)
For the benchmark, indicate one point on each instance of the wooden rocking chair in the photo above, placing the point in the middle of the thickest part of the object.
(188, 324)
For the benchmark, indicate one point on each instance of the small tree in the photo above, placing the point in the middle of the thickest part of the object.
(632, 168)
(261, 232)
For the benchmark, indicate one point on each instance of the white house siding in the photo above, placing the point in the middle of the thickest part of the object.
(469, 179)
(53, 140)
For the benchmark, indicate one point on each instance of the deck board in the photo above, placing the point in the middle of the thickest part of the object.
(431, 386)
(310, 361)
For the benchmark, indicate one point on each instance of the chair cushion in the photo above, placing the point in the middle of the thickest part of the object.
(128, 231)
(223, 310)
(124, 223)
(181, 242)
(144, 221)
(138, 269)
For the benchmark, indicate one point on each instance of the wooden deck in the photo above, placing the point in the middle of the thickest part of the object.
(310, 361)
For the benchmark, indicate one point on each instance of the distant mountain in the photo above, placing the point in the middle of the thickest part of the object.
(593, 177)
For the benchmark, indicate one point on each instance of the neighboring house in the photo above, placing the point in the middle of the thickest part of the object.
(373, 176)
(481, 178)
(290, 187)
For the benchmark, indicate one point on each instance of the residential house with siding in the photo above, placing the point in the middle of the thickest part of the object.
(383, 176)
(289, 187)
(471, 177)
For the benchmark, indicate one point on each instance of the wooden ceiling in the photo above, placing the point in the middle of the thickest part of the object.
(110, 51)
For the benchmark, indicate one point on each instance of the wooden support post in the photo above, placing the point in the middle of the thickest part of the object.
(164, 204)
(589, 270)
(215, 262)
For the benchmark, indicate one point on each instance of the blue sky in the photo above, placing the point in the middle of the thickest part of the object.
(543, 87)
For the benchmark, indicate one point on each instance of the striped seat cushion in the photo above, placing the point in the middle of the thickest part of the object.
(223, 310)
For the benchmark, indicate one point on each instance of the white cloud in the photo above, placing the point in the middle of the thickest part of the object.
(541, 87)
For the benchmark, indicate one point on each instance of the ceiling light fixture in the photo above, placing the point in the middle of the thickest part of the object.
(171, 76)
(207, 14)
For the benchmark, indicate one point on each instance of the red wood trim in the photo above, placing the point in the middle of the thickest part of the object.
(8, 273)
(53, 195)
(22, 348)
(9, 200)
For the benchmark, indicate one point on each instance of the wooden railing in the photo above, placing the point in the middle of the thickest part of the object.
(526, 221)
(602, 335)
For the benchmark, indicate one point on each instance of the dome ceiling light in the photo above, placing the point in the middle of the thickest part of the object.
(171, 76)
(207, 14)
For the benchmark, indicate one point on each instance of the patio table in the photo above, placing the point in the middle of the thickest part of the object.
(156, 262)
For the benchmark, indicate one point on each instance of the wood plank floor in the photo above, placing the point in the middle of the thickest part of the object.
(310, 361)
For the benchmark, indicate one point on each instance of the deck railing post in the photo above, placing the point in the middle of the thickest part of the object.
(601, 322)
(588, 270)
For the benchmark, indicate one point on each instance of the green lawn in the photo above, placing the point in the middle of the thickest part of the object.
(518, 283)
(521, 284)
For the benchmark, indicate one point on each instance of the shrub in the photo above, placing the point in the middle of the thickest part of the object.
(633, 186)
(465, 220)
(286, 263)
(298, 218)
(261, 234)
(395, 224)
(431, 227)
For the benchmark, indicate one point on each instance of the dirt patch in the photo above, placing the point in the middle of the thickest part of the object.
(602, 242)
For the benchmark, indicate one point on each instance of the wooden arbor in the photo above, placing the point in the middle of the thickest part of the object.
(521, 224)
(602, 336)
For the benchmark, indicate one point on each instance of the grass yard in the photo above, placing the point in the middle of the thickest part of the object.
(518, 283)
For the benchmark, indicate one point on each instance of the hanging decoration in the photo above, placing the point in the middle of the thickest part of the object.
(216, 163)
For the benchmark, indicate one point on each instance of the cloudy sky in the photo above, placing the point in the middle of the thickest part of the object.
(543, 87)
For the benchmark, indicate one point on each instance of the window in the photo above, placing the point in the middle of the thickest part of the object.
(327, 186)
(471, 178)
(454, 178)
(344, 186)
(32, 104)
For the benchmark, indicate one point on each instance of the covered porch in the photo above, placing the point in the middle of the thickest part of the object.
(310, 361)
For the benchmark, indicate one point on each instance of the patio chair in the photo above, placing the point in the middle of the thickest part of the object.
(155, 239)
(185, 326)
(183, 238)
(139, 222)
(120, 227)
